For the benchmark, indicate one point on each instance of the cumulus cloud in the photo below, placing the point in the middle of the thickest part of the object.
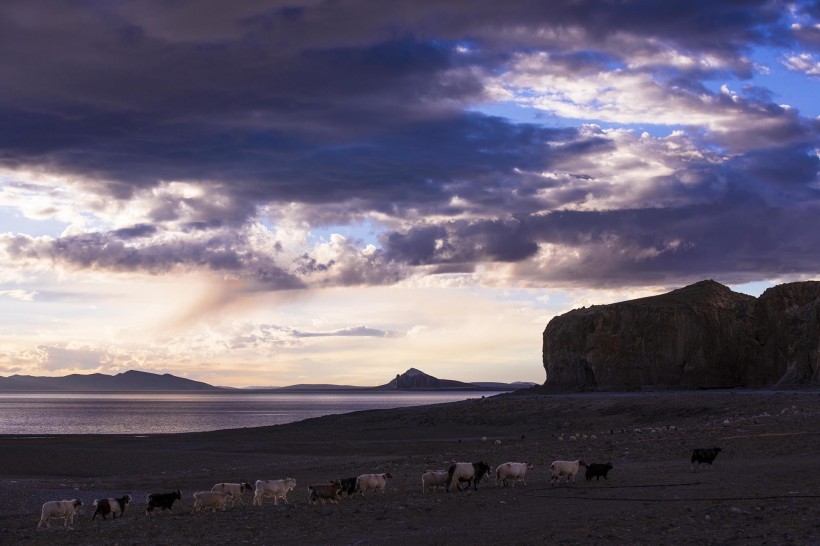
(22, 295)
(803, 62)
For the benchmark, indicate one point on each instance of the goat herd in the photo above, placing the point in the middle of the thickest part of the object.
(223, 495)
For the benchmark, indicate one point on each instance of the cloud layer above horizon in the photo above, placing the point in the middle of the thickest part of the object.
(267, 152)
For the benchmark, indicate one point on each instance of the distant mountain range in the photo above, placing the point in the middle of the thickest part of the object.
(133, 380)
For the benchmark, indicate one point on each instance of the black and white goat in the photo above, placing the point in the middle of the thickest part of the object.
(115, 507)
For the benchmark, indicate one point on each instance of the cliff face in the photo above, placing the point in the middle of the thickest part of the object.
(787, 335)
(703, 335)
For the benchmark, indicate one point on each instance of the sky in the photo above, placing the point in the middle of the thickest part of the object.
(269, 193)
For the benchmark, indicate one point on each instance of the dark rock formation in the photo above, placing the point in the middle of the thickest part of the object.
(704, 335)
(787, 335)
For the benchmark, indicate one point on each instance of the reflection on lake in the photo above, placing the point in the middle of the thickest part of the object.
(152, 413)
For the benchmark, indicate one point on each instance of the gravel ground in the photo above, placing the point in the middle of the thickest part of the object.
(764, 487)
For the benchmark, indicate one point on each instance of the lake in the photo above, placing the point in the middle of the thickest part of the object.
(154, 413)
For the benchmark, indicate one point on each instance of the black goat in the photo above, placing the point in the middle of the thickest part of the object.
(596, 470)
(704, 456)
(163, 501)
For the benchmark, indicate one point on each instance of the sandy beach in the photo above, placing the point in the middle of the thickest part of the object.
(764, 488)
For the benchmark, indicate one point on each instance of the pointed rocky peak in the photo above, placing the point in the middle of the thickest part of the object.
(707, 285)
(415, 379)
(705, 288)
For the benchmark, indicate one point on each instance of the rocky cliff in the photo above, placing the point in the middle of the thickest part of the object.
(787, 336)
(701, 336)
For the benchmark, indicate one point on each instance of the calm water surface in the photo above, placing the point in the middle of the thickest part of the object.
(152, 413)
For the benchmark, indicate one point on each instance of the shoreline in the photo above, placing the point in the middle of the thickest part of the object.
(162, 413)
(520, 394)
(278, 390)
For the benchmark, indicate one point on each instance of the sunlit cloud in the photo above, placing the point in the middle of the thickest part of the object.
(22, 295)
(804, 62)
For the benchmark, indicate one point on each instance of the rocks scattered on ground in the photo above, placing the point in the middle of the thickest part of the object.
(763, 487)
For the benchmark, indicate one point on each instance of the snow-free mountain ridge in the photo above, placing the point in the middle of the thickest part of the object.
(134, 380)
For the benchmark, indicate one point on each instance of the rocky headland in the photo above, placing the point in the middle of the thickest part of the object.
(700, 336)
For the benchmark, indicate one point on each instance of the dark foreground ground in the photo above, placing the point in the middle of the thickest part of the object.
(764, 489)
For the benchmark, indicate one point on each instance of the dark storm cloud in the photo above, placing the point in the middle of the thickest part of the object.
(808, 36)
(416, 246)
(760, 212)
(807, 31)
(410, 164)
(137, 94)
(108, 252)
(736, 240)
(794, 167)
(135, 232)
(763, 125)
(363, 105)
(231, 254)
(460, 242)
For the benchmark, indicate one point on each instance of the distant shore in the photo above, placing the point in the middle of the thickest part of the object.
(141, 381)
(272, 390)
(763, 487)
(164, 412)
